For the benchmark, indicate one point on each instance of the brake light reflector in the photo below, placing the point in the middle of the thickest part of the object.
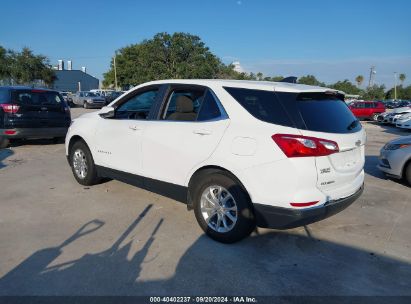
(10, 108)
(303, 204)
(304, 146)
(10, 132)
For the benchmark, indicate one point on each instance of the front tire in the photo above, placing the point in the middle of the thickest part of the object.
(222, 208)
(407, 173)
(82, 164)
(85, 105)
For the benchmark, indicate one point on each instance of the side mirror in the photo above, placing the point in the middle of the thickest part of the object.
(106, 112)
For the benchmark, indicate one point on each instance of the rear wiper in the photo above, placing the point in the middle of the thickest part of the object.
(352, 125)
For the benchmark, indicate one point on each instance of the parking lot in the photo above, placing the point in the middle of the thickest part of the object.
(60, 238)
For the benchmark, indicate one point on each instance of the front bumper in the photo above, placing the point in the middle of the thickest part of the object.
(285, 218)
(96, 104)
(34, 132)
(391, 162)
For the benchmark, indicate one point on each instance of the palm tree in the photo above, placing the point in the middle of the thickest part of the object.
(402, 78)
(359, 79)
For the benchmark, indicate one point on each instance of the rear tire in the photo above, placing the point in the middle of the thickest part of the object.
(222, 208)
(4, 142)
(82, 164)
(58, 140)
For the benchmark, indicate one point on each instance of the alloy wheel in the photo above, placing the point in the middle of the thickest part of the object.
(80, 164)
(219, 208)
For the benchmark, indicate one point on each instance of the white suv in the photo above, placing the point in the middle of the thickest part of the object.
(240, 153)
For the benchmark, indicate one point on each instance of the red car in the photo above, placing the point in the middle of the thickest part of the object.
(367, 109)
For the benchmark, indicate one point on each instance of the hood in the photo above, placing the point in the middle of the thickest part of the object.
(401, 110)
(401, 140)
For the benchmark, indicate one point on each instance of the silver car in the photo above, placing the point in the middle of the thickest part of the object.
(88, 100)
(395, 158)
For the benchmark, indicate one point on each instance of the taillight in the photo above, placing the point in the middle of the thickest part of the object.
(9, 132)
(10, 108)
(304, 146)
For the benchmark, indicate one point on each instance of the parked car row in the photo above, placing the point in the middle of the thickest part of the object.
(397, 104)
(400, 117)
(91, 99)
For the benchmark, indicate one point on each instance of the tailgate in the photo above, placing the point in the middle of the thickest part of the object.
(341, 174)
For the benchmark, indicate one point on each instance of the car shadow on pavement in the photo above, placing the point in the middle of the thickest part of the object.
(4, 153)
(370, 167)
(273, 263)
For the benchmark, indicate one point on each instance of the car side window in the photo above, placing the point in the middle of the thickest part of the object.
(137, 107)
(183, 104)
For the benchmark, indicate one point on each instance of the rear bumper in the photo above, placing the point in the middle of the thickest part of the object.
(285, 218)
(34, 132)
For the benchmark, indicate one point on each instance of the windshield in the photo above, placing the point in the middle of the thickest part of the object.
(90, 94)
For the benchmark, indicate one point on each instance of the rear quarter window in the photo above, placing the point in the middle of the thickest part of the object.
(263, 105)
(325, 113)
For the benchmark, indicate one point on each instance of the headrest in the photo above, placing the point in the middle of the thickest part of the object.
(184, 104)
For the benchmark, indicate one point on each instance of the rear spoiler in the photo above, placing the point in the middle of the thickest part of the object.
(290, 79)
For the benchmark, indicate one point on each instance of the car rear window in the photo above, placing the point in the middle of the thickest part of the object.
(4, 96)
(326, 113)
(36, 97)
(263, 105)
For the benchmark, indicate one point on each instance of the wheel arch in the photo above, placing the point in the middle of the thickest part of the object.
(404, 168)
(210, 169)
(73, 140)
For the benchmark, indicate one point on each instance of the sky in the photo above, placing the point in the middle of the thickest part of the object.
(331, 39)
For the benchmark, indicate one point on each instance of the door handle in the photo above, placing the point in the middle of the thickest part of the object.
(202, 132)
(134, 128)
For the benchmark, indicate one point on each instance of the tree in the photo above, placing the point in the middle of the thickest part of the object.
(359, 80)
(346, 86)
(274, 78)
(174, 56)
(374, 92)
(402, 78)
(310, 80)
(24, 67)
(402, 93)
(4, 63)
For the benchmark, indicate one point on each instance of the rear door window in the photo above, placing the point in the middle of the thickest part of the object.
(325, 113)
(209, 108)
(263, 105)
